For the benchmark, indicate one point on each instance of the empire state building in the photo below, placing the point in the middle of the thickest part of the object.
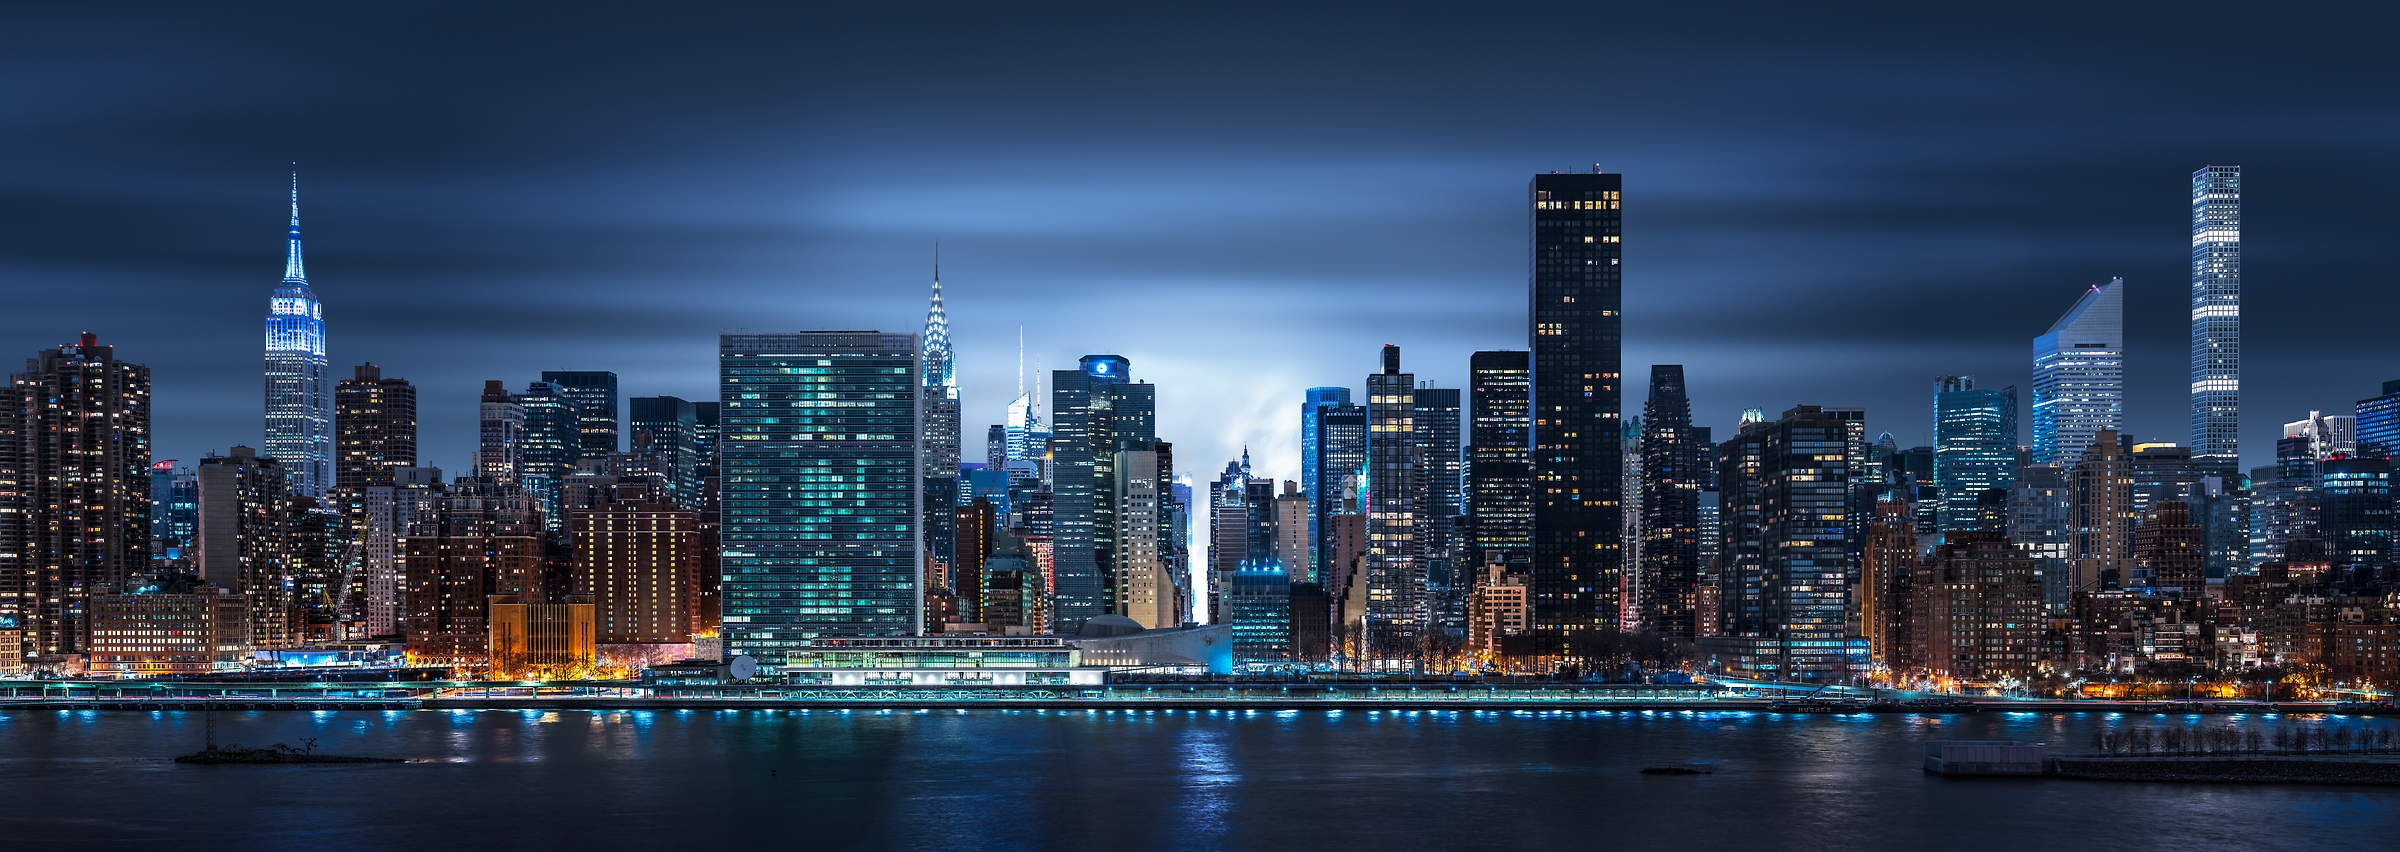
(299, 394)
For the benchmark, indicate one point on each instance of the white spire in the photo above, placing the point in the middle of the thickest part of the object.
(940, 367)
(292, 270)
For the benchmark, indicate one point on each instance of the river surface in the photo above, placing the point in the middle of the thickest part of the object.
(986, 779)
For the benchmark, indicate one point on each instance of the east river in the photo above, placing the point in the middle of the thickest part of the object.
(1136, 781)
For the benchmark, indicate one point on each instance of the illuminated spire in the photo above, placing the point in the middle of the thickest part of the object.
(940, 368)
(291, 263)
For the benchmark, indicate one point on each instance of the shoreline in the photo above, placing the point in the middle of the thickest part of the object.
(899, 700)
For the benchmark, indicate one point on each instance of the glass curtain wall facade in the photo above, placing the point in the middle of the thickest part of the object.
(2217, 314)
(1437, 433)
(1675, 459)
(2079, 376)
(664, 429)
(1500, 450)
(1341, 451)
(594, 393)
(820, 484)
(553, 442)
(1575, 319)
(1095, 412)
(1975, 449)
(1395, 510)
(1317, 398)
(2379, 422)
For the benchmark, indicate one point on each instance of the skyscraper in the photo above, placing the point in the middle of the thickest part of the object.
(937, 413)
(1785, 584)
(244, 501)
(1341, 467)
(299, 393)
(704, 446)
(1228, 532)
(594, 393)
(1437, 435)
(500, 454)
(820, 485)
(2328, 435)
(1974, 448)
(1674, 464)
(2356, 516)
(2101, 483)
(174, 508)
(1096, 411)
(664, 432)
(2378, 422)
(1395, 509)
(1145, 589)
(2079, 376)
(2217, 315)
(375, 428)
(1316, 398)
(1575, 321)
(1499, 446)
(76, 433)
(553, 442)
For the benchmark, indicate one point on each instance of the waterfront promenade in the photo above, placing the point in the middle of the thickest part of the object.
(1239, 696)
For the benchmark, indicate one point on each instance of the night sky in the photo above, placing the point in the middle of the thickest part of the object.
(1823, 206)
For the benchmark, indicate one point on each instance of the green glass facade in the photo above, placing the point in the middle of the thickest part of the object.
(818, 459)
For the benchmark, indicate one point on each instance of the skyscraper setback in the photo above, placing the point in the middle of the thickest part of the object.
(299, 393)
(937, 412)
(2217, 315)
(1575, 325)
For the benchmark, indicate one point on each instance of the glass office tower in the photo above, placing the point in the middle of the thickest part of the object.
(820, 484)
(1575, 328)
(594, 393)
(2079, 376)
(2378, 427)
(1499, 454)
(1675, 462)
(1309, 482)
(1974, 449)
(2217, 315)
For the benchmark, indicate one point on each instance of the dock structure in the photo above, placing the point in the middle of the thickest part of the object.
(1986, 757)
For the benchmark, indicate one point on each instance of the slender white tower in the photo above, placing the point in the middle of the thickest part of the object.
(2217, 314)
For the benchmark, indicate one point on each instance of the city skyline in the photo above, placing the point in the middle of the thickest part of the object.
(436, 262)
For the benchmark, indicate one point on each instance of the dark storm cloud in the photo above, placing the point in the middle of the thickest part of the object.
(1825, 205)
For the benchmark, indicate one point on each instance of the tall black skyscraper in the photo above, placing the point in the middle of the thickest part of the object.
(1675, 461)
(1499, 447)
(1575, 321)
(1438, 458)
(1395, 511)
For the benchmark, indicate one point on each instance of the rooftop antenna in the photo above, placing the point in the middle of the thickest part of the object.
(1020, 360)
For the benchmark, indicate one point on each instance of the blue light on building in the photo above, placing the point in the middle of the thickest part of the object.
(820, 484)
